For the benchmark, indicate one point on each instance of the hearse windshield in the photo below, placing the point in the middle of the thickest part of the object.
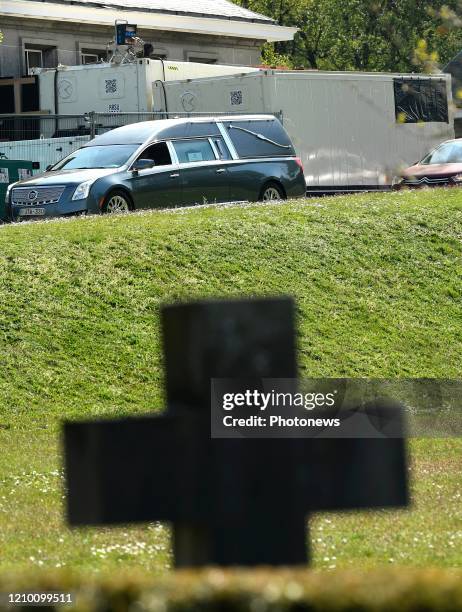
(108, 156)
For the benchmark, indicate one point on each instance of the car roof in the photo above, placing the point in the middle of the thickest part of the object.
(139, 133)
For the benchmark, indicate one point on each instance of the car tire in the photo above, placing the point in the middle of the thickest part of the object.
(272, 192)
(117, 202)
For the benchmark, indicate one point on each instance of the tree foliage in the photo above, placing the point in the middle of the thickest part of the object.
(383, 35)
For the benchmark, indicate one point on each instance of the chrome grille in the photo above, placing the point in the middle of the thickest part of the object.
(425, 180)
(31, 196)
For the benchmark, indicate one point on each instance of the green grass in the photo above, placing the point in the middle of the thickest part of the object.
(377, 279)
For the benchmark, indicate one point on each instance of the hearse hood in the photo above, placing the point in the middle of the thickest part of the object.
(66, 177)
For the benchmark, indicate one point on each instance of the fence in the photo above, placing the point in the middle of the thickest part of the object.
(45, 139)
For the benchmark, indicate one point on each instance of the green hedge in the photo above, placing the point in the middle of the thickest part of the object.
(258, 590)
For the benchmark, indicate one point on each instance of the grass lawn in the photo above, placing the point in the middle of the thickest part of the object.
(378, 284)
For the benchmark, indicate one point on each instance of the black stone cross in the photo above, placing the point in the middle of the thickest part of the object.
(231, 501)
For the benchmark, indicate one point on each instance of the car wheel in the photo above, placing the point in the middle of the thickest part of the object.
(117, 202)
(272, 192)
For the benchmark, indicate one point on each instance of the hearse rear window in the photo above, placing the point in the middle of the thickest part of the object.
(193, 151)
(259, 139)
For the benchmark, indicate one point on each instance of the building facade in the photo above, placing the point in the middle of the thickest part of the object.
(72, 32)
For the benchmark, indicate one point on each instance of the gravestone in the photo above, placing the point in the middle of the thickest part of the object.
(231, 501)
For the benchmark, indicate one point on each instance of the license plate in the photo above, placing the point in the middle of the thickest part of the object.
(31, 212)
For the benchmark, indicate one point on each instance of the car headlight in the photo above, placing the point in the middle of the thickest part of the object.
(457, 178)
(82, 190)
(8, 191)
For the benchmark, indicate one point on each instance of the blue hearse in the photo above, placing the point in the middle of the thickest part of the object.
(164, 163)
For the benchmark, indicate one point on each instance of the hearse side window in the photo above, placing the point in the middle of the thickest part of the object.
(193, 151)
(159, 154)
(221, 148)
(420, 100)
(259, 139)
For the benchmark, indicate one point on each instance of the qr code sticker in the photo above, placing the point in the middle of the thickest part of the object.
(111, 86)
(236, 98)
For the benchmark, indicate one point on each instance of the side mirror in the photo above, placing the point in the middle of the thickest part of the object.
(143, 164)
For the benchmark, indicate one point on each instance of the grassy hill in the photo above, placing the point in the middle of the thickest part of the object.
(377, 279)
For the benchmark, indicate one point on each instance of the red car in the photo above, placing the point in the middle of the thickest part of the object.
(441, 167)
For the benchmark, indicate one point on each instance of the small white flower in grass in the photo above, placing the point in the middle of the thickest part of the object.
(293, 591)
(272, 592)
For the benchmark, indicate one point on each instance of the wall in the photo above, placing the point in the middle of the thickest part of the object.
(69, 40)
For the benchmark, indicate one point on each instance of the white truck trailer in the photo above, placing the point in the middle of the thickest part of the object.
(116, 88)
(351, 130)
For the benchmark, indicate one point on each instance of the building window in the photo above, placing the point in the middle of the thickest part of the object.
(202, 60)
(201, 57)
(89, 58)
(34, 59)
(38, 53)
(92, 56)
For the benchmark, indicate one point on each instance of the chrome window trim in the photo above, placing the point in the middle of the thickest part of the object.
(232, 162)
(214, 149)
(202, 137)
(156, 170)
(228, 141)
(219, 163)
(173, 154)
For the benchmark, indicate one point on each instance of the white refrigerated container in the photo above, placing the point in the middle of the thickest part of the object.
(116, 88)
(347, 127)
